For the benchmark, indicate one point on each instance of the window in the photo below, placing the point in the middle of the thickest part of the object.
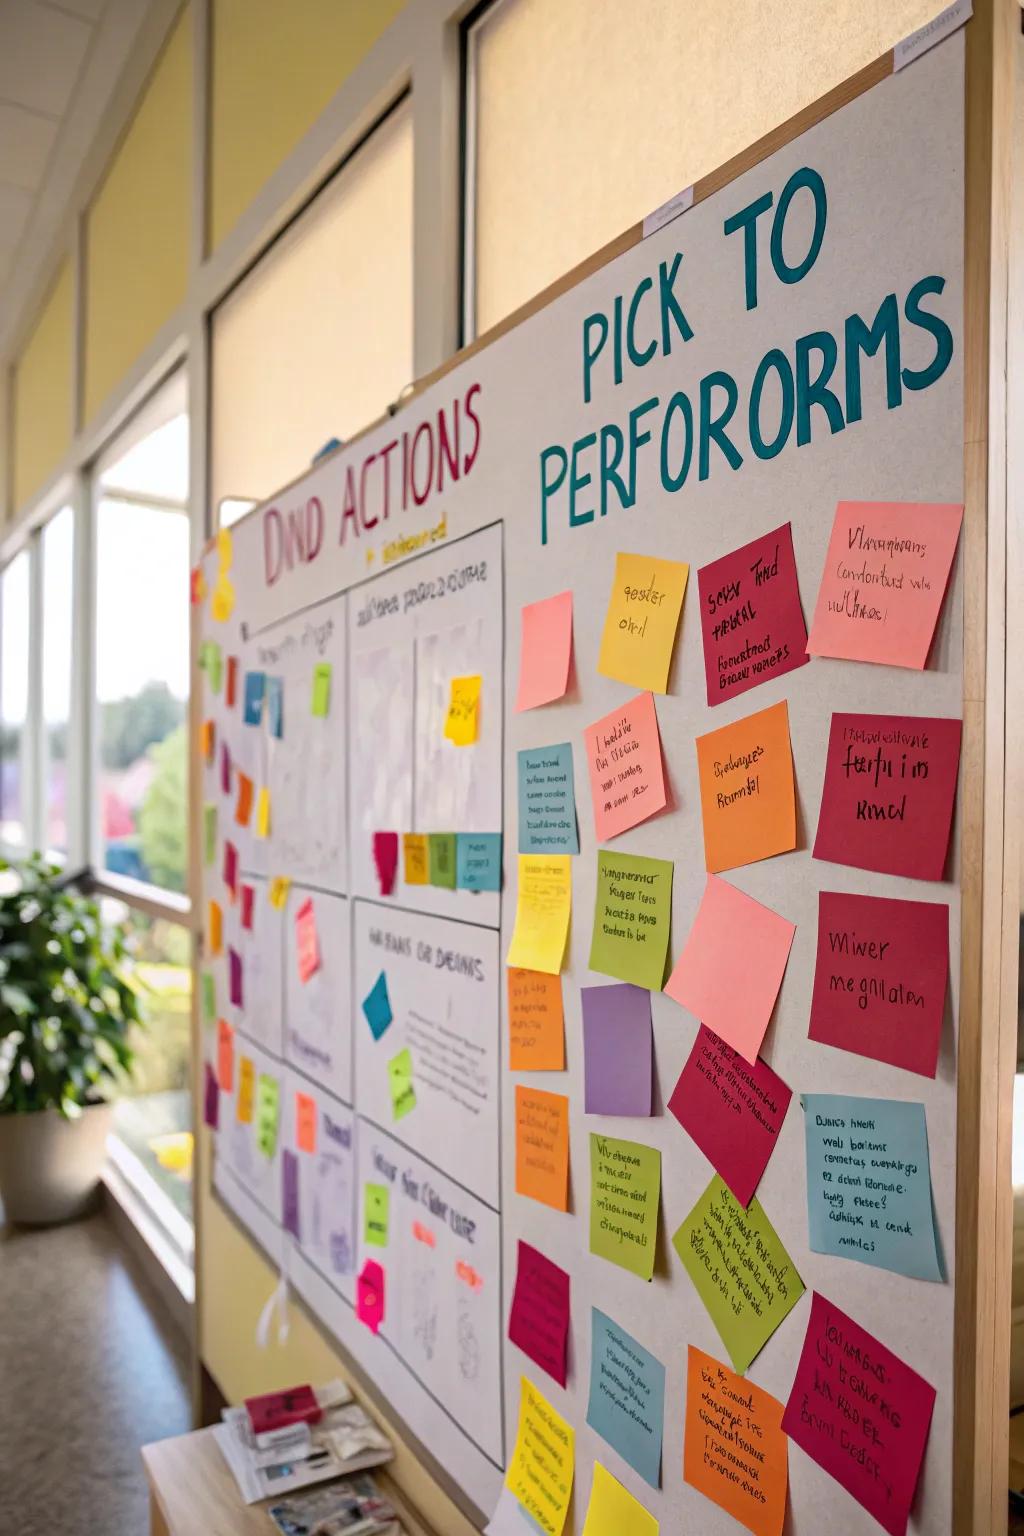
(14, 676)
(58, 548)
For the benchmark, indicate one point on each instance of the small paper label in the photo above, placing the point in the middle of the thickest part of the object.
(668, 211)
(935, 31)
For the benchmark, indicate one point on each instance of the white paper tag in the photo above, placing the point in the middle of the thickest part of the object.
(936, 31)
(668, 211)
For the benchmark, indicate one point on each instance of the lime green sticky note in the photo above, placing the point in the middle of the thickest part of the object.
(268, 1104)
(321, 689)
(209, 997)
(214, 665)
(632, 918)
(442, 859)
(376, 1200)
(741, 1271)
(403, 1094)
(209, 833)
(625, 1190)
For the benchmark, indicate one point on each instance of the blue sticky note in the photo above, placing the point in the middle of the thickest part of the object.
(478, 861)
(869, 1185)
(627, 1396)
(377, 1007)
(252, 709)
(547, 801)
(275, 706)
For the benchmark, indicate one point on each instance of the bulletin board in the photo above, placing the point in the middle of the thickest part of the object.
(792, 342)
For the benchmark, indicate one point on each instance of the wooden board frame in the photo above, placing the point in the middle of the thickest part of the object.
(990, 802)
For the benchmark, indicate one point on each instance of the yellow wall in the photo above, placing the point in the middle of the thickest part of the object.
(275, 68)
(138, 227)
(43, 387)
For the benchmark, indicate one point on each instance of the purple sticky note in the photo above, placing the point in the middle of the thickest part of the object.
(211, 1099)
(235, 978)
(225, 768)
(290, 1194)
(617, 1049)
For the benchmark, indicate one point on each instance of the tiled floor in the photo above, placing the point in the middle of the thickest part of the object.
(89, 1372)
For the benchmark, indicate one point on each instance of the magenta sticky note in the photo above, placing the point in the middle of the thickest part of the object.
(861, 1413)
(732, 1110)
(538, 1322)
(248, 902)
(750, 615)
(211, 1098)
(890, 784)
(235, 989)
(880, 978)
(231, 867)
(370, 1295)
(225, 768)
(385, 857)
(290, 1194)
(617, 1049)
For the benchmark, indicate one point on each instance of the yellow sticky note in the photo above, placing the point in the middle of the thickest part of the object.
(246, 1089)
(462, 723)
(223, 600)
(613, 1511)
(641, 622)
(280, 885)
(541, 1470)
(215, 928)
(416, 850)
(542, 912)
(263, 812)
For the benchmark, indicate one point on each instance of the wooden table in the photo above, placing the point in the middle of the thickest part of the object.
(192, 1492)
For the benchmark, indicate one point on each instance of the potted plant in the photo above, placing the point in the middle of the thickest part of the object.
(67, 1006)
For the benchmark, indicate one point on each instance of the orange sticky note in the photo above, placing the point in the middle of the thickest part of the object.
(225, 1055)
(627, 783)
(305, 1122)
(417, 860)
(542, 1146)
(243, 805)
(215, 928)
(535, 1021)
(746, 789)
(263, 812)
(209, 737)
(885, 576)
(545, 650)
(246, 1088)
(726, 1414)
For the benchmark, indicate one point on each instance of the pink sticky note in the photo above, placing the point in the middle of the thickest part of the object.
(211, 1098)
(750, 616)
(538, 1322)
(545, 651)
(870, 1437)
(733, 1111)
(880, 978)
(627, 783)
(385, 857)
(370, 1295)
(225, 768)
(731, 969)
(235, 978)
(885, 576)
(248, 903)
(306, 940)
(231, 867)
(890, 783)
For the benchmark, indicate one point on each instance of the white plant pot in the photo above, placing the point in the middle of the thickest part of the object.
(49, 1166)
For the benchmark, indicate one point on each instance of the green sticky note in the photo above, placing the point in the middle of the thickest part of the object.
(214, 665)
(210, 833)
(442, 859)
(268, 1103)
(403, 1094)
(632, 918)
(376, 1199)
(625, 1190)
(741, 1271)
(209, 997)
(321, 689)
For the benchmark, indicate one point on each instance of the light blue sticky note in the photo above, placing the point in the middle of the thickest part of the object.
(478, 861)
(869, 1186)
(627, 1396)
(275, 706)
(377, 1007)
(547, 801)
(252, 709)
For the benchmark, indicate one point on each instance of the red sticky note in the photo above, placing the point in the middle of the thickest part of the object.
(545, 651)
(305, 1122)
(890, 783)
(231, 868)
(306, 940)
(880, 978)
(225, 1055)
(539, 1320)
(885, 576)
(370, 1295)
(225, 768)
(231, 684)
(385, 857)
(731, 969)
(750, 616)
(243, 805)
(876, 1451)
(733, 1111)
(248, 903)
(627, 782)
